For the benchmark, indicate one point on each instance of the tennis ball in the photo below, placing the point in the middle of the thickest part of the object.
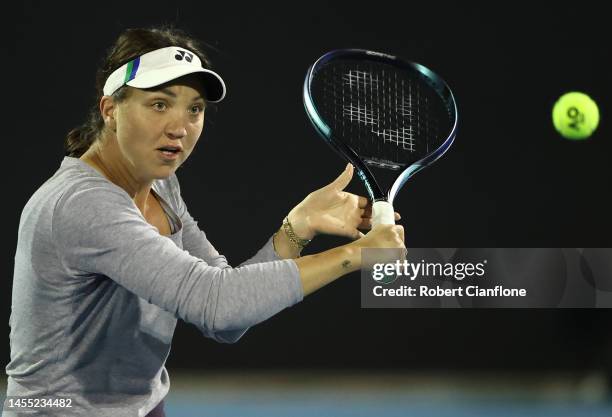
(575, 115)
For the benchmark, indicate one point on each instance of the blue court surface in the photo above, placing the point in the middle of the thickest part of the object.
(308, 406)
(299, 394)
(275, 395)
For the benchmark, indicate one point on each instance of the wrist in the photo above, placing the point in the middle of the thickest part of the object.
(301, 224)
(283, 246)
(297, 242)
(351, 252)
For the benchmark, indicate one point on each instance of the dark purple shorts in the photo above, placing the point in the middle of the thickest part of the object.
(157, 411)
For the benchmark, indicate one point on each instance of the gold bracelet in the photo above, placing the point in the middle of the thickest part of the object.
(299, 243)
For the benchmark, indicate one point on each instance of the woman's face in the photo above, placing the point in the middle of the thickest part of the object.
(169, 115)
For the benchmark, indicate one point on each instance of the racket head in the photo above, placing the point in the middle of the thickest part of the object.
(381, 113)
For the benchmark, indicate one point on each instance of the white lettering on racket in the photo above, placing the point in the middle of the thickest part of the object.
(380, 54)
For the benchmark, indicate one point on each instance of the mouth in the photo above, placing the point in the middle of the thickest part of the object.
(173, 149)
(170, 152)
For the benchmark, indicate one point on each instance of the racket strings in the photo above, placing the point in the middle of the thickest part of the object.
(365, 108)
(386, 116)
(392, 107)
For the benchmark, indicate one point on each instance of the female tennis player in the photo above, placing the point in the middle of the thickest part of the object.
(108, 256)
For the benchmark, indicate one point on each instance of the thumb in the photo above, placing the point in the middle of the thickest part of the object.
(343, 179)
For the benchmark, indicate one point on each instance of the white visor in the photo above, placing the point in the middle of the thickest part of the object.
(163, 65)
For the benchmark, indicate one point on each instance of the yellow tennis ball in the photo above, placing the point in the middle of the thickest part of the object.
(575, 115)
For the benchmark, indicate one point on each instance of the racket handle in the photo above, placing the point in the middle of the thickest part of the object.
(382, 213)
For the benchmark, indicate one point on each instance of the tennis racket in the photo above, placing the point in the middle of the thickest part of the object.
(389, 117)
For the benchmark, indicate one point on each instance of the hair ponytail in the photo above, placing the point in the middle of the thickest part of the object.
(82, 137)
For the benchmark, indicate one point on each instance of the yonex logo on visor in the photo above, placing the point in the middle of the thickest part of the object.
(187, 55)
(162, 65)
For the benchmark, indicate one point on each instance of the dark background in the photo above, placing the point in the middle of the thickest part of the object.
(509, 180)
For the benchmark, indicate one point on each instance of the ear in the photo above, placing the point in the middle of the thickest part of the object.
(107, 110)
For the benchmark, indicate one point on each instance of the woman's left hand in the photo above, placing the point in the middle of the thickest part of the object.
(330, 210)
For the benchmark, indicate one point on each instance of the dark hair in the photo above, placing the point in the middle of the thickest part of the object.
(130, 44)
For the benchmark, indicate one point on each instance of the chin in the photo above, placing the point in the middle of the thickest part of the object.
(164, 172)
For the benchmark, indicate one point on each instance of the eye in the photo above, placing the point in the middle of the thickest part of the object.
(196, 109)
(159, 106)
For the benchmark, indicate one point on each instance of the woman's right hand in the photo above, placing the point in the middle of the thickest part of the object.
(384, 236)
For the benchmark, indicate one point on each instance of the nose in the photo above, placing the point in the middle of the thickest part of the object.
(176, 128)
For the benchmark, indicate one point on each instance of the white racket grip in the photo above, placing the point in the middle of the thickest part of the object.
(382, 213)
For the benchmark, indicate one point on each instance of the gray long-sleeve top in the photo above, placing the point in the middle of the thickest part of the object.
(97, 292)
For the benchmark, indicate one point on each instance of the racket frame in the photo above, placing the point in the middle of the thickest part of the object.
(364, 173)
